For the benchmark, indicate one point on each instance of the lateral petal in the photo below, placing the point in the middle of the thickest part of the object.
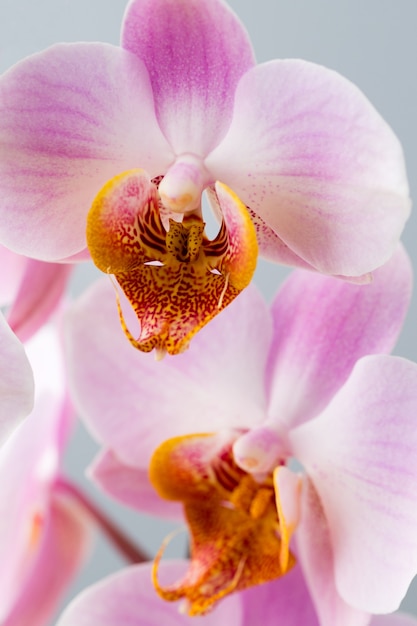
(71, 118)
(310, 155)
(323, 326)
(360, 455)
(315, 554)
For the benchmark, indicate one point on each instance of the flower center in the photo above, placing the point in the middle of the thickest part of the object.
(181, 188)
(175, 278)
(233, 520)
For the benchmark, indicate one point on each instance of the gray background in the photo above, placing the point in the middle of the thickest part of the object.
(372, 42)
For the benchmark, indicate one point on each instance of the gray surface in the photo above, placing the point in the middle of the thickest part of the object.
(372, 42)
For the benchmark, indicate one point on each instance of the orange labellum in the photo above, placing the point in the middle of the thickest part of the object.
(175, 278)
(232, 518)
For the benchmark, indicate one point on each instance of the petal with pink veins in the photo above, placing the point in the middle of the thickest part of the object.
(360, 455)
(16, 382)
(309, 153)
(323, 326)
(195, 52)
(71, 118)
(133, 403)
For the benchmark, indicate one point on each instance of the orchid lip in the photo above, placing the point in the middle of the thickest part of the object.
(238, 538)
(174, 277)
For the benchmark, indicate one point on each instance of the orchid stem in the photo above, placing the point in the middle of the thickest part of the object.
(118, 538)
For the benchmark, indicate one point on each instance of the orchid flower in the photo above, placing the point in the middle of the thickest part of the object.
(293, 157)
(31, 290)
(43, 536)
(310, 380)
(127, 597)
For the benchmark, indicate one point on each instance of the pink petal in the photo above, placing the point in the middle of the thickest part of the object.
(132, 403)
(308, 152)
(41, 289)
(62, 551)
(71, 118)
(273, 248)
(322, 326)
(15, 266)
(129, 598)
(30, 460)
(361, 455)
(130, 486)
(195, 52)
(16, 381)
(285, 602)
(316, 559)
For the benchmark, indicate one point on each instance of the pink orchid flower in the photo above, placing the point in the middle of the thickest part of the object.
(43, 536)
(16, 382)
(31, 290)
(310, 380)
(125, 139)
(128, 597)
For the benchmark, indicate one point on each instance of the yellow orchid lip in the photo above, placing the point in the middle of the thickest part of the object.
(175, 278)
(236, 535)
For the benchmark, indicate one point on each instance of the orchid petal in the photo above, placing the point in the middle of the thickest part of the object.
(63, 548)
(305, 147)
(132, 403)
(315, 555)
(273, 248)
(131, 486)
(128, 598)
(10, 279)
(195, 52)
(284, 601)
(41, 289)
(322, 326)
(16, 381)
(360, 454)
(71, 118)
(30, 460)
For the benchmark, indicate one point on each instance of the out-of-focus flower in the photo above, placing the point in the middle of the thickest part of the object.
(31, 290)
(321, 175)
(43, 535)
(128, 597)
(16, 381)
(291, 383)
